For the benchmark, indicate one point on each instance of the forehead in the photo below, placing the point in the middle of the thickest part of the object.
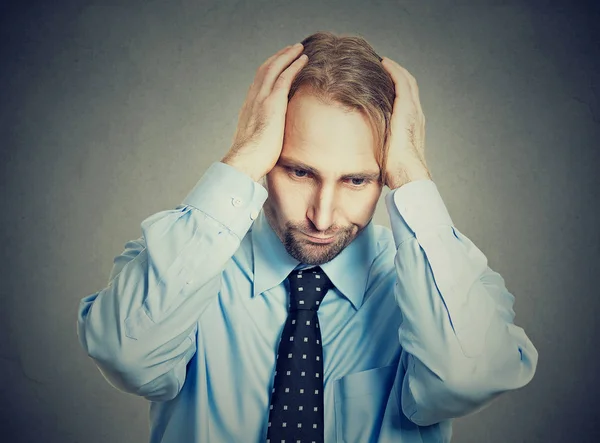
(329, 138)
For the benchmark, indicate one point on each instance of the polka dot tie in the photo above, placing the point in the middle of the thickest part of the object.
(296, 410)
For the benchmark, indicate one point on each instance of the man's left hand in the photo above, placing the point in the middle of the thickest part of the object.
(406, 145)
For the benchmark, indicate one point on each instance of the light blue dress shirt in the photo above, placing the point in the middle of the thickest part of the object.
(417, 331)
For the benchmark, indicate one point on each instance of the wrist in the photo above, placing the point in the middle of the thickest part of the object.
(242, 166)
(407, 173)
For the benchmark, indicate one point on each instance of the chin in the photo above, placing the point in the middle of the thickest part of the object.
(314, 253)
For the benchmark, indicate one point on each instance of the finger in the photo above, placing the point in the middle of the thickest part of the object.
(272, 71)
(401, 85)
(284, 82)
(257, 82)
(405, 84)
(271, 58)
(411, 79)
(414, 87)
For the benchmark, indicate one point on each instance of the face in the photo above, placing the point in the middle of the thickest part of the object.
(324, 188)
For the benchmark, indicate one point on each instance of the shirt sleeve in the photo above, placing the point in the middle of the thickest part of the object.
(460, 347)
(141, 329)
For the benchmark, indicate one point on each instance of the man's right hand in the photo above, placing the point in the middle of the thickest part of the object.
(258, 139)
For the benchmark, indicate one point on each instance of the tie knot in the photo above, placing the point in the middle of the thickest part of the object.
(307, 288)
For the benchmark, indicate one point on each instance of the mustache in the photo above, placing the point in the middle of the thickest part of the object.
(333, 230)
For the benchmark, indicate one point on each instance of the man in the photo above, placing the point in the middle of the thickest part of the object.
(305, 321)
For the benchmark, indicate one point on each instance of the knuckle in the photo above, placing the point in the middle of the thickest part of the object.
(262, 108)
(285, 78)
(261, 96)
(264, 69)
(269, 69)
(268, 104)
(260, 71)
(282, 79)
(252, 90)
(279, 84)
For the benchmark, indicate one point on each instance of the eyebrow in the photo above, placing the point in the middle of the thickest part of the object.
(290, 163)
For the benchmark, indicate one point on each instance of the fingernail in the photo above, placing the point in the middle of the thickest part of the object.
(297, 45)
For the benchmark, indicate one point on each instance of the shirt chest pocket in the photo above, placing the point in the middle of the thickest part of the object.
(361, 401)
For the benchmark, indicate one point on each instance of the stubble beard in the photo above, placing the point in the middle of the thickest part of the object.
(299, 247)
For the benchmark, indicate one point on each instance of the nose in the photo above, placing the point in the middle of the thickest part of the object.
(322, 207)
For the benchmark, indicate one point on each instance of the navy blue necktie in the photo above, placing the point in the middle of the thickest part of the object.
(296, 410)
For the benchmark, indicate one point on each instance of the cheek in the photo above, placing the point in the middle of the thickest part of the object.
(359, 206)
(291, 200)
(288, 200)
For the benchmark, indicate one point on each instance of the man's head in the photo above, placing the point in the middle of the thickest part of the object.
(328, 179)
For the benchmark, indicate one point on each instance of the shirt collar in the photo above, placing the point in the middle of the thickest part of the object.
(349, 271)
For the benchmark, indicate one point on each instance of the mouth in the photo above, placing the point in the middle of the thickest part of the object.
(319, 240)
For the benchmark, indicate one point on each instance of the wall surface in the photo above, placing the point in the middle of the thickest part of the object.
(111, 111)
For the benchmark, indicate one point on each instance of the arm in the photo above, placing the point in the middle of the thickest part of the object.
(140, 330)
(460, 347)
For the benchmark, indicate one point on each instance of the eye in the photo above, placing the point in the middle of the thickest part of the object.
(299, 172)
(357, 181)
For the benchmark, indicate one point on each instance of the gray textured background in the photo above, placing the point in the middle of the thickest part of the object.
(110, 112)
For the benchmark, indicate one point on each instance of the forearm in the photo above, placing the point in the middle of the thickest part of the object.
(463, 348)
(141, 328)
(460, 346)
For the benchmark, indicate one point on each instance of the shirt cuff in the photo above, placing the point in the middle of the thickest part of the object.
(415, 208)
(229, 196)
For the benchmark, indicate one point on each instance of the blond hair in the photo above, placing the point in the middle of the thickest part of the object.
(345, 70)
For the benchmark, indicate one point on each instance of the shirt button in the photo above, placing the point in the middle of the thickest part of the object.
(236, 202)
(253, 215)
